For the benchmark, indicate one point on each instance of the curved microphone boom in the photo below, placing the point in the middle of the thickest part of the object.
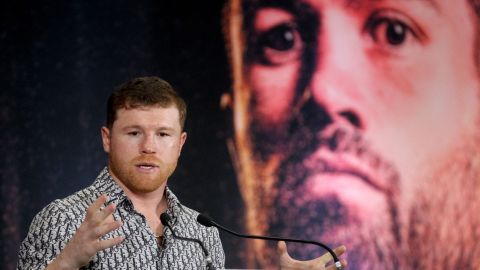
(205, 221)
(165, 219)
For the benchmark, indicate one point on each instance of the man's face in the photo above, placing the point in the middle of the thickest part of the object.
(144, 145)
(371, 106)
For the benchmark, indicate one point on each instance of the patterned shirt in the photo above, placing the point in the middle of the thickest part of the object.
(52, 228)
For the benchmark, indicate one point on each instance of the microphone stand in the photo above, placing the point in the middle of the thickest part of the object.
(205, 221)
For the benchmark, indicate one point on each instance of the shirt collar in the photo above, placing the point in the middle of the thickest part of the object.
(173, 205)
(105, 184)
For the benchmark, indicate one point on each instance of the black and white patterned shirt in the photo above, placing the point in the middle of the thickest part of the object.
(52, 228)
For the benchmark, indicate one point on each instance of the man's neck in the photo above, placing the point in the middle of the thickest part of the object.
(154, 202)
(149, 202)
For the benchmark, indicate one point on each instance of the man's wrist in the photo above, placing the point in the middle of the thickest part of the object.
(61, 263)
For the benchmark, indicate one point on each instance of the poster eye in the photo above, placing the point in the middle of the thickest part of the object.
(278, 44)
(280, 38)
(392, 30)
(389, 32)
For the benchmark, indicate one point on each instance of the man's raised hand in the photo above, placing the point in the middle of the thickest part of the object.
(86, 241)
(323, 262)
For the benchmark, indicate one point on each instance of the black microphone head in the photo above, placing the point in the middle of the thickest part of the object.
(165, 219)
(205, 221)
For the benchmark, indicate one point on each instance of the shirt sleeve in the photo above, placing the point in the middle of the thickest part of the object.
(49, 232)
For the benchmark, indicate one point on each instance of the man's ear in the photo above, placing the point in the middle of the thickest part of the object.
(105, 139)
(183, 138)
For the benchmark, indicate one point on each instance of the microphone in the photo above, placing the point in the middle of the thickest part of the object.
(205, 221)
(165, 219)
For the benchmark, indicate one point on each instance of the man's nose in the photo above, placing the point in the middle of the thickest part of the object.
(148, 145)
(338, 76)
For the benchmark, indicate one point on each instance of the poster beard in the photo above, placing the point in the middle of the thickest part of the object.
(441, 226)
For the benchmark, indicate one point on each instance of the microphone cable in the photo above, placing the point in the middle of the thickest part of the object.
(165, 219)
(205, 221)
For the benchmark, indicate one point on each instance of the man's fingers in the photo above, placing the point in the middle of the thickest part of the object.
(106, 228)
(105, 212)
(325, 258)
(340, 250)
(328, 257)
(95, 214)
(286, 262)
(96, 206)
(99, 202)
(281, 247)
(333, 267)
(104, 244)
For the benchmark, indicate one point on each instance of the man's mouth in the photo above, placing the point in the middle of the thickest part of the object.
(146, 166)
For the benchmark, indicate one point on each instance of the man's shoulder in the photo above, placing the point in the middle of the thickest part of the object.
(72, 207)
(188, 218)
(180, 210)
(189, 212)
(80, 199)
(188, 215)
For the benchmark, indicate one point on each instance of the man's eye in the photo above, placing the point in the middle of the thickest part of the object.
(133, 133)
(388, 29)
(279, 44)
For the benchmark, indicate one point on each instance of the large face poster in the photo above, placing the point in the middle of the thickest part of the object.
(349, 122)
(357, 123)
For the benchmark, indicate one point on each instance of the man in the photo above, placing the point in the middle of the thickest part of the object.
(357, 122)
(115, 223)
(121, 229)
